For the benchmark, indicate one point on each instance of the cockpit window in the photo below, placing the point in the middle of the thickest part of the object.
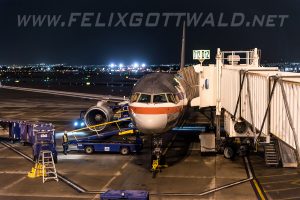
(145, 98)
(160, 98)
(134, 97)
(171, 98)
(177, 98)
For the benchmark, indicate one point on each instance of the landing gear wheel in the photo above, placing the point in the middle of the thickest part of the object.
(88, 150)
(124, 151)
(228, 153)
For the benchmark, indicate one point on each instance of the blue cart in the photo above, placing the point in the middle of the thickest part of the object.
(125, 194)
(122, 147)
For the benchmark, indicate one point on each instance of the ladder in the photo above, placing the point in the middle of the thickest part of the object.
(49, 170)
(271, 154)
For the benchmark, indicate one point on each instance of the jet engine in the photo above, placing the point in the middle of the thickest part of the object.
(98, 114)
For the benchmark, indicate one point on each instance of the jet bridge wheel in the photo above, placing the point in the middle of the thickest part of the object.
(88, 149)
(228, 152)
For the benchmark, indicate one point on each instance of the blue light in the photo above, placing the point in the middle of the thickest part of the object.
(75, 123)
(81, 124)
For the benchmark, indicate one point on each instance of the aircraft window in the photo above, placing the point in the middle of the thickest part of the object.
(160, 98)
(145, 98)
(171, 98)
(134, 97)
(177, 98)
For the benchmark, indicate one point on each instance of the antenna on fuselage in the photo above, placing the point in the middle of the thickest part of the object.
(182, 61)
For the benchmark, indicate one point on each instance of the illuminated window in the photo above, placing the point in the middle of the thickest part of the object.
(171, 98)
(134, 97)
(177, 98)
(145, 98)
(160, 98)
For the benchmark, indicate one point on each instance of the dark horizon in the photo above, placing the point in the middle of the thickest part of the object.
(151, 45)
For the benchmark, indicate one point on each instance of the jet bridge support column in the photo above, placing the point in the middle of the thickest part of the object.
(209, 86)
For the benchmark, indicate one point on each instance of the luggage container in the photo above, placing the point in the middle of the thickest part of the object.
(43, 136)
(10, 129)
(14, 131)
(27, 133)
(6, 129)
(125, 194)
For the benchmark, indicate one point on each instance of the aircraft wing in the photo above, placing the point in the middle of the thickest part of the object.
(68, 94)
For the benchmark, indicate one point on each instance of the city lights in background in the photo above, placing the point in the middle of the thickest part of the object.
(121, 66)
(135, 65)
(112, 65)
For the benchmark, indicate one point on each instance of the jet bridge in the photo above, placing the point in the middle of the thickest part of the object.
(258, 102)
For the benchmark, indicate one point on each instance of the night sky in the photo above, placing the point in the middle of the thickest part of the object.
(152, 45)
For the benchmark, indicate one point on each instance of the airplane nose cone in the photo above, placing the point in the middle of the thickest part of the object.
(150, 124)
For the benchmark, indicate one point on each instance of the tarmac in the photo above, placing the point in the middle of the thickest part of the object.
(189, 175)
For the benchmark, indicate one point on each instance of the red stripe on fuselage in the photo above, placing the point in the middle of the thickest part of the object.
(155, 110)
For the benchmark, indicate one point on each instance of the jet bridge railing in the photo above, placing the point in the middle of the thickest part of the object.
(242, 57)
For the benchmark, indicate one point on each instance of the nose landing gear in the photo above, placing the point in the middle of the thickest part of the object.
(157, 158)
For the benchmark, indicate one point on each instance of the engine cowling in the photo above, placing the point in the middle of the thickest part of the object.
(98, 114)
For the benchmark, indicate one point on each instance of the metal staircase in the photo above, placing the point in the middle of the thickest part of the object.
(49, 170)
(271, 154)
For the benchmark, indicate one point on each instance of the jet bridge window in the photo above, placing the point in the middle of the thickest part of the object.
(160, 98)
(145, 98)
